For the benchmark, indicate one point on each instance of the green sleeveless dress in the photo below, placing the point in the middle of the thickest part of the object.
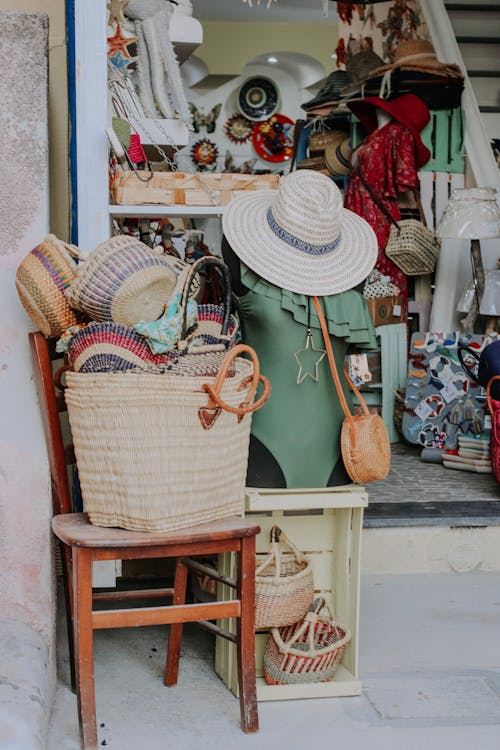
(300, 423)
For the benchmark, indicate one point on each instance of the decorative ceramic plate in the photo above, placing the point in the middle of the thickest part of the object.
(273, 139)
(204, 152)
(238, 129)
(258, 99)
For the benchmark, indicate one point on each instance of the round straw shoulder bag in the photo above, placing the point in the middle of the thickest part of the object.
(364, 440)
(41, 282)
(284, 587)
(125, 281)
(309, 651)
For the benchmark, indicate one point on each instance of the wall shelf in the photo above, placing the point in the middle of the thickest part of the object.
(156, 211)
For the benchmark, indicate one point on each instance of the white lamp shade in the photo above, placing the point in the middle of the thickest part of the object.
(471, 214)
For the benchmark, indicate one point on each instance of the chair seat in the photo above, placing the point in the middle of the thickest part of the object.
(76, 530)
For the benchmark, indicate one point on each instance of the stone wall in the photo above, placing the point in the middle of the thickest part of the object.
(27, 582)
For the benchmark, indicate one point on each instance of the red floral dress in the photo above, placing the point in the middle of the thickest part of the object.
(386, 159)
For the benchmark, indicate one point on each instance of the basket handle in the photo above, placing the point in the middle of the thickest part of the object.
(65, 248)
(276, 535)
(309, 622)
(209, 413)
(198, 266)
(462, 348)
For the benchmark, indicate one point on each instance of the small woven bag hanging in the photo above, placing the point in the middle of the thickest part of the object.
(309, 651)
(125, 281)
(284, 586)
(41, 282)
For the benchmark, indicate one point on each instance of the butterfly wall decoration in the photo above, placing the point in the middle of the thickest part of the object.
(201, 120)
(245, 168)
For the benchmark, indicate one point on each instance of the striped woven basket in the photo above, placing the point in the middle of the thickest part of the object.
(125, 281)
(161, 452)
(111, 347)
(309, 651)
(284, 587)
(41, 281)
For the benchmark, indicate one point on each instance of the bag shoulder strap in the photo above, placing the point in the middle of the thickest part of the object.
(333, 368)
(384, 210)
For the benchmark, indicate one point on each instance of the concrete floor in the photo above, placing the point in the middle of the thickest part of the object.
(429, 664)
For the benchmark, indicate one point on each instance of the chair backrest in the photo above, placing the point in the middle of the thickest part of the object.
(52, 403)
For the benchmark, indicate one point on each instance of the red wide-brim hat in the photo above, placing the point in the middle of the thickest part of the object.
(407, 109)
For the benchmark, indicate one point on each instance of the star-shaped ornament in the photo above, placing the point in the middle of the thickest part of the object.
(115, 10)
(119, 43)
(121, 62)
(309, 359)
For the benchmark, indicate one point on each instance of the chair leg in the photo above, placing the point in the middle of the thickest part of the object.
(245, 645)
(65, 562)
(175, 635)
(84, 645)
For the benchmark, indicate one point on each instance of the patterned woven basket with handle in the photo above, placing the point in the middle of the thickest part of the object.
(41, 282)
(309, 651)
(284, 586)
(494, 408)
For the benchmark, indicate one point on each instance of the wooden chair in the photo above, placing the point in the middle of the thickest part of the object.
(82, 543)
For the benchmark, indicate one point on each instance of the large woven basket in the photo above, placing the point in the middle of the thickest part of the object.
(125, 281)
(412, 247)
(41, 281)
(494, 408)
(309, 651)
(162, 452)
(284, 586)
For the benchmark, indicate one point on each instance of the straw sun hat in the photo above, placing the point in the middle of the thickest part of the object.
(300, 237)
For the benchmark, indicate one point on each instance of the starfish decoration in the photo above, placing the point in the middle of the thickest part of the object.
(121, 62)
(312, 370)
(115, 10)
(119, 43)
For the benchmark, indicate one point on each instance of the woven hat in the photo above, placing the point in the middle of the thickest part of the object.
(300, 237)
(358, 69)
(330, 92)
(419, 55)
(407, 109)
(337, 155)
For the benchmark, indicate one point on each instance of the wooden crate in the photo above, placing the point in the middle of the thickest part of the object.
(183, 188)
(326, 524)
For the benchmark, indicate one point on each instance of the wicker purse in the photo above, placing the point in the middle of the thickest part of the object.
(308, 651)
(284, 587)
(125, 281)
(411, 246)
(41, 281)
(364, 440)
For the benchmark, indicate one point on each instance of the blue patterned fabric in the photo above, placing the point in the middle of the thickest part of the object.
(297, 243)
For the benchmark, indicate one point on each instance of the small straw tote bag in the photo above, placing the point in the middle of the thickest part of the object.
(284, 587)
(162, 452)
(309, 651)
(125, 281)
(41, 282)
(494, 409)
(364, 440)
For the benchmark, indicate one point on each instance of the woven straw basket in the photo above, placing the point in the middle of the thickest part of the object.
(124, 280)
(309, 651)
(41, 281)
(412, 247)
(284, 587)
(162, 452)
